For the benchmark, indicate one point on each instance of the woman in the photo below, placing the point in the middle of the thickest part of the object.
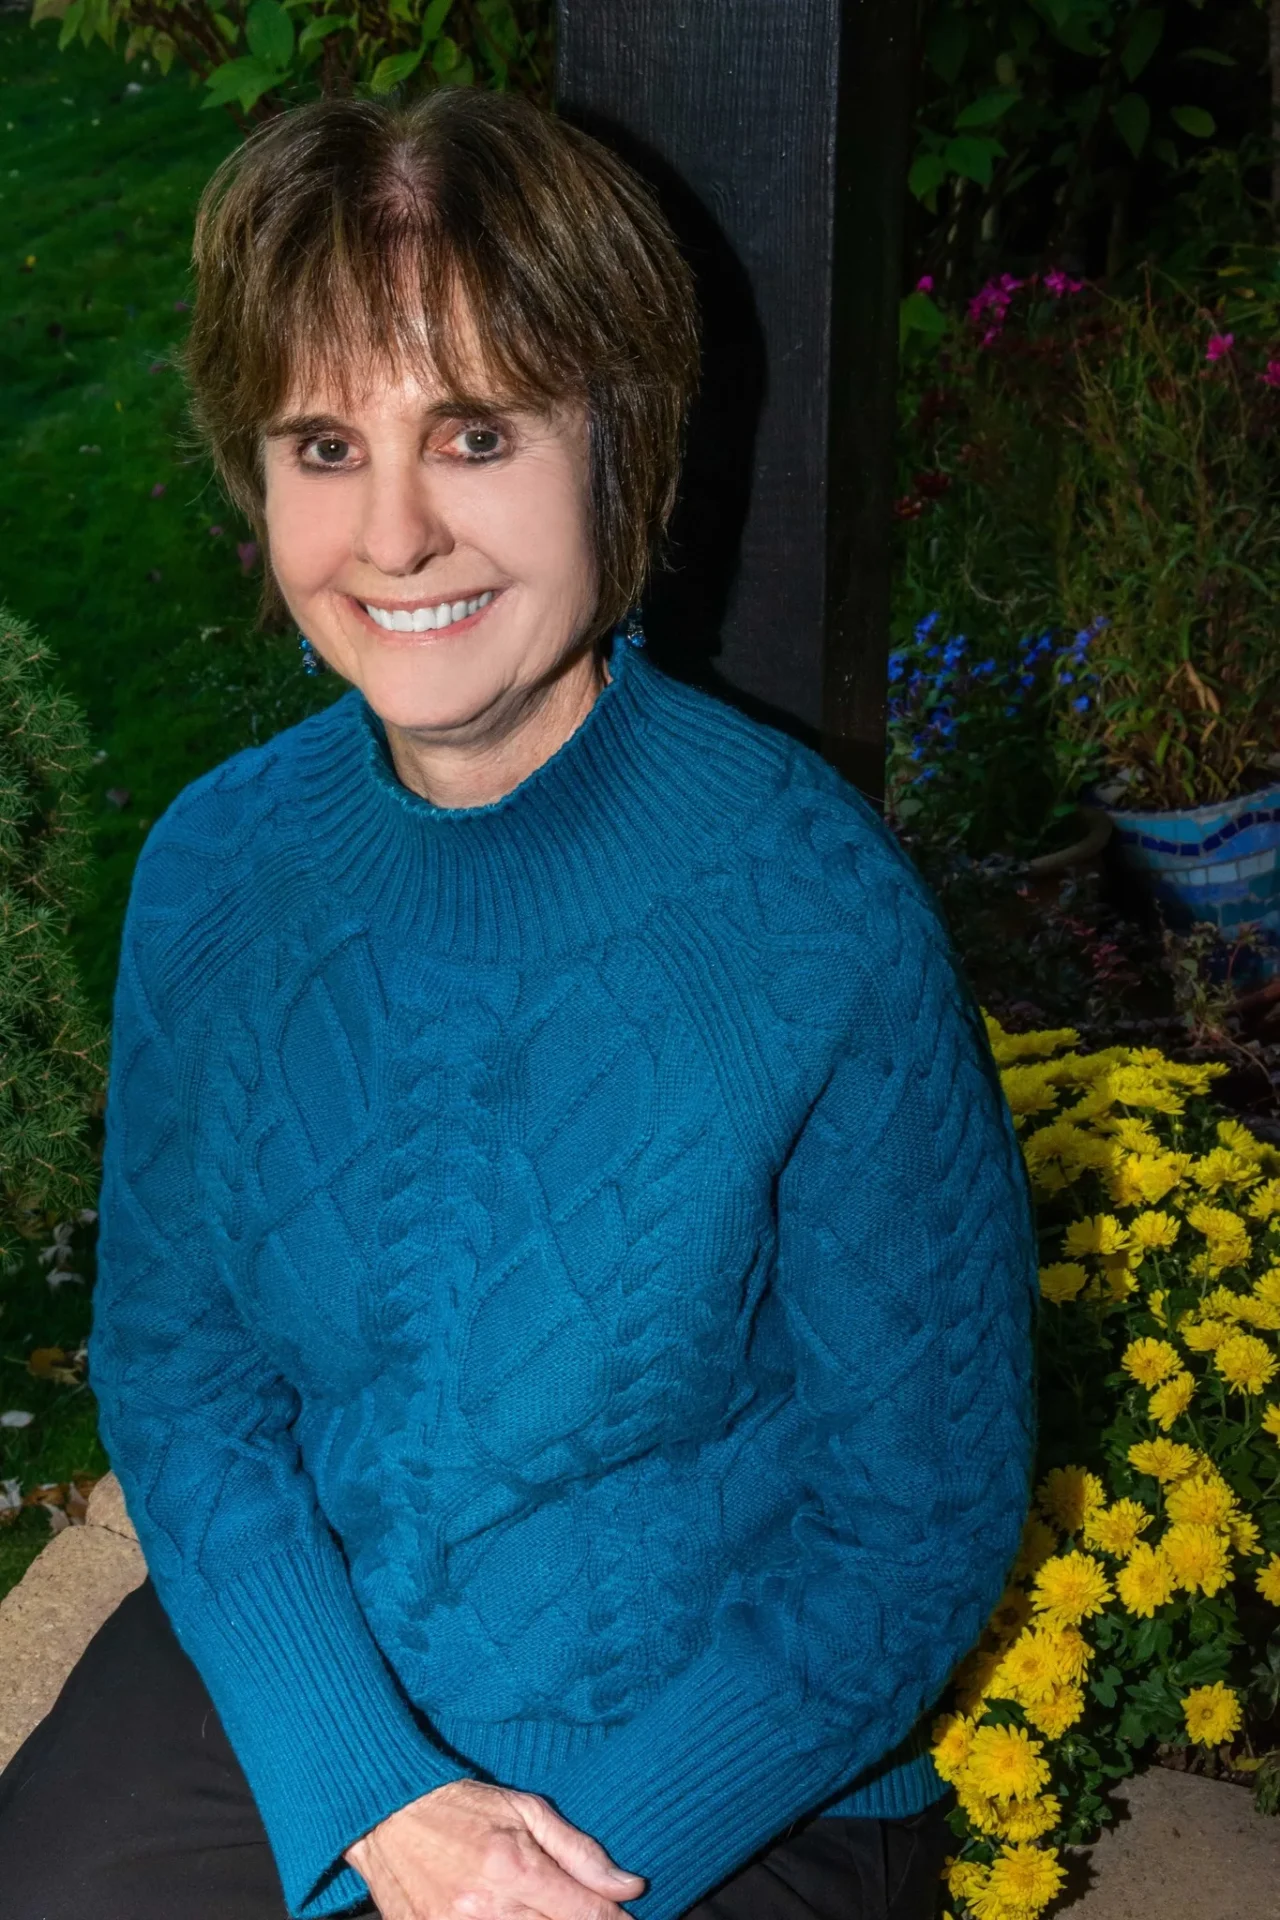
(566, 1265)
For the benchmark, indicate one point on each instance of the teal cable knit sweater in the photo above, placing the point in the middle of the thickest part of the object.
(565, 1285)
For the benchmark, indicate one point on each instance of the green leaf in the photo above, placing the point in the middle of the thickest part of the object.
(321, 27)
(396, 67)
(1164, 149)
(1210, 55)
(70, 24)
(987, 108)
(1195, 121)
(269, 31)
(243, 80)
(1132, 117)
(433, 22)
(227, 28)
(947, 45)
(1145, 32)
(446, 57)
(973, 157)
(918, 314)
(928, 171)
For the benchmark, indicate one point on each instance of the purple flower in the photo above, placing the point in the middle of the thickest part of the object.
(1220, 345)
(157, 490)
(925, 283)
(247, 555)
(1057, 283)
(215, 533)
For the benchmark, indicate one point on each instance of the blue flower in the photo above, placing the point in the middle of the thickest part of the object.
(897, 666)
(1065, 679)
(984, 666)
(926, 626)
(1027, 680)
(1081, 702)
(1010, 712)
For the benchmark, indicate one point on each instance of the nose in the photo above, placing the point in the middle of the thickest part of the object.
(404, 523)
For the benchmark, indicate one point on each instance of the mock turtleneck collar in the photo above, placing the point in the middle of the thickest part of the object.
(629, 802)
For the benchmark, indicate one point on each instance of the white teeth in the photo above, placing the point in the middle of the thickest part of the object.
(426, 619)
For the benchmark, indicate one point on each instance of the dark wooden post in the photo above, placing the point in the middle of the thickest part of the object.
(776, 132)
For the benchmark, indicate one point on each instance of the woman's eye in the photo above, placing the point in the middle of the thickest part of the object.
(479, 443)
(331, 452)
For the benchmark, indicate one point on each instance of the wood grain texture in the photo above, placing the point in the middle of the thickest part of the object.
(744, 114)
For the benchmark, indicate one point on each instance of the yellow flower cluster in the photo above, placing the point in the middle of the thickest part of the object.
(1153, 1222)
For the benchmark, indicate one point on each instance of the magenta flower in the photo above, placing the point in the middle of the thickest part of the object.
(247, 554)
(157, 490)
(1271, 378)
(925, 283)
(991, 303)
(1220, 345)
(1058, 283)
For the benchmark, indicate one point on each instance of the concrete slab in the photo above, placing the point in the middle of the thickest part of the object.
(49, 1618)
(1189, 1849)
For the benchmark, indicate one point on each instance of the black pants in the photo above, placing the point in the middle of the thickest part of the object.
(127, 1803)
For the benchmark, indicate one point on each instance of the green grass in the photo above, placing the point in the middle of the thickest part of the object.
(150, 614)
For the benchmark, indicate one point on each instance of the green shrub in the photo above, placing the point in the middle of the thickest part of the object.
(52, 1053)
(259, 56)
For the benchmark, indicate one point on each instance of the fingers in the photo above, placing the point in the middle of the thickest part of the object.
(577, 1852)
(519, 1872)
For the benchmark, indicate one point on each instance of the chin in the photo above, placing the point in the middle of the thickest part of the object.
(413, 691)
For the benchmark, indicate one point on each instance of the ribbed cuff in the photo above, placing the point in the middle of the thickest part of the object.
(686, 1791)
(327, 1742)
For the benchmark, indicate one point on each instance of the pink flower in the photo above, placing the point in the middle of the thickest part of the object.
(1057, 283)
(215, 533)
(247, 554)
(925, 283)
(157, 490)
(1271, 378)
(990, 304)
(1220, 345)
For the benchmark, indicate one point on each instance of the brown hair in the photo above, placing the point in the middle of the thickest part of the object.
(309, 234)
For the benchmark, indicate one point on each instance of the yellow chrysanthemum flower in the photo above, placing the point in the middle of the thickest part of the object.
(1164, 1460)
(1245, 1363)
(1233, 1133)
(1138, 1136)
(1144, 1179)
(1062, 1281)
(1028, 1090)
(1263, 1314)
(1203, 1499)
(1150, 1361)
(1005, 1763)
(1264, 1202)
(952, 1737)
(1267, 1287)
(1025, 1820)
(1116, 1528)
(1227, 1235)
(1155, 1303)
(1071, 1651)
(1145, 1581)
(1029, 1670)
(1271, 1420)
(1068, 1495)
(965, 1878)
(1198, 1556)
(1223, 1167)
(1244, 1535)
(1203, 1336)
(1100, 1234)
(1039, 1543)
(1169, 1402)
(1053, 1716)
(1150, 1230)
(1024, 1879)
(1212, 1714)
(1268, 1581)
(1139, 1087)
(1070, 1588)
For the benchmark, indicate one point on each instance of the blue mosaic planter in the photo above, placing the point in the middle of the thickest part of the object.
(1219, 863)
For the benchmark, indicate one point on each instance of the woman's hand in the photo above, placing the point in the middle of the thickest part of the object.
(467, 1851)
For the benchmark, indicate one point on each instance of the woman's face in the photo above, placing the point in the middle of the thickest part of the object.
(471, 530)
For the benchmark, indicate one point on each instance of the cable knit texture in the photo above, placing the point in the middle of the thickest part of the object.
(565, 1285)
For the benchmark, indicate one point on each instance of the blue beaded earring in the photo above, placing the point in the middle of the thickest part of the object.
(311, 660)
(632, 629)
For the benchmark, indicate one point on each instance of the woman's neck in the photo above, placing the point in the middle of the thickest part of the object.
(476, 772)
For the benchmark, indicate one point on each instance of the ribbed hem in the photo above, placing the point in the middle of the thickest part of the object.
(702, 1778)
(327, 1742)
(637, 799)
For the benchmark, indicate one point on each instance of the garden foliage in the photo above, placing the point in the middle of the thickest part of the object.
(257, 56)
(1148, 1583)
(52, 1053)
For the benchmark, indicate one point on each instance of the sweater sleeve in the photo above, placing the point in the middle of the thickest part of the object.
(904, 1292)
(198, 1426)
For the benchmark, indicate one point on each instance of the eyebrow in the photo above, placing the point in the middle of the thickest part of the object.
(297, 426)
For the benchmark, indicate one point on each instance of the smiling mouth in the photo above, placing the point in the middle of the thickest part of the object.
(427, 618)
